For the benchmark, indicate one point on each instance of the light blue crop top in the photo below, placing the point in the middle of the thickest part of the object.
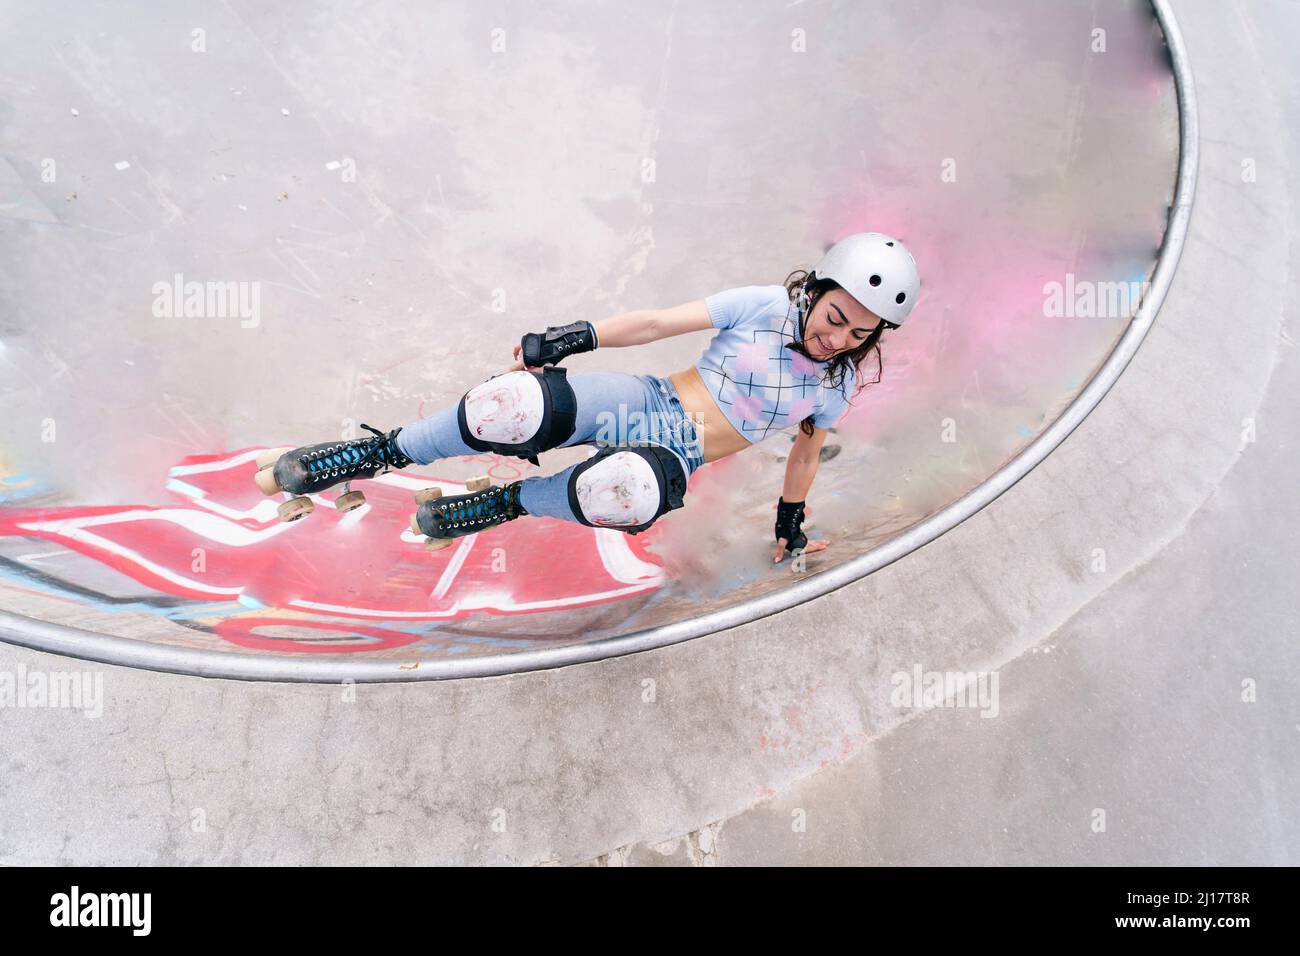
(761, 386)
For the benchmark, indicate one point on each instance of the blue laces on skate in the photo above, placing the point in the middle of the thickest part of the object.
(486, 509)
(342, 458)
(492, 507)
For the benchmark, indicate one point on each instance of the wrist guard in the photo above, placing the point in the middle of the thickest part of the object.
(789, 517)
(557, 343)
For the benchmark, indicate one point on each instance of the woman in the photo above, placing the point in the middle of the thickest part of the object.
(784, 355)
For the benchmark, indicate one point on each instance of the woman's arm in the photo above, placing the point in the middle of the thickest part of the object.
(801, 466)
(624, 329)
(800, 470)
(651, 325)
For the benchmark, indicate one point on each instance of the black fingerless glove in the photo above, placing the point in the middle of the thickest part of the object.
(789, 516)
(557, 343)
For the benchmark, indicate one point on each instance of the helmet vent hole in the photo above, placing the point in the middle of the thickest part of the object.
(890, 243)
(900, 297)
(875, 281)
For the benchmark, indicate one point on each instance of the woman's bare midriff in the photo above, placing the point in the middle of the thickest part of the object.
(718, 436)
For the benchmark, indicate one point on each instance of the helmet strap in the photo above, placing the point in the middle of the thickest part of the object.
(801, 302)
(801, 299)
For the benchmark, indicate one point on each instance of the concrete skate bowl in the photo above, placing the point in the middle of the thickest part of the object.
(394, 193)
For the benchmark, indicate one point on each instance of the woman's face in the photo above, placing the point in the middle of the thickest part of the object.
(838, 323)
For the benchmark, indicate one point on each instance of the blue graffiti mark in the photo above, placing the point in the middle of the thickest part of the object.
(20, 485)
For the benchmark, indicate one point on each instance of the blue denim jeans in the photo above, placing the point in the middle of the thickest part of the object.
(613, 409)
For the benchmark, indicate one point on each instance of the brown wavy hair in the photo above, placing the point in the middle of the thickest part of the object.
(836, 372)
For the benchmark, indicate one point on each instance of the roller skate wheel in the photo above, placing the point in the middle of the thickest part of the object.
(295, 508)
(350, 501)
(425, 495)
(437, 544)
(266, 483)
(478, 484)
(269, 457)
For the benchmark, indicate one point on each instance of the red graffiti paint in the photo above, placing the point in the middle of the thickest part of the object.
(334, 638)
(222, 542)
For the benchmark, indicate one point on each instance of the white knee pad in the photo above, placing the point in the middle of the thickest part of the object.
(506, 409)
(519, 413)
(626, 488)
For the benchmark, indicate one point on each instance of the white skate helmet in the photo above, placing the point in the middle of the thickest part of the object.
(875, 269)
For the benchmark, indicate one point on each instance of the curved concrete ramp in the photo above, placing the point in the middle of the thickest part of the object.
(398, 194)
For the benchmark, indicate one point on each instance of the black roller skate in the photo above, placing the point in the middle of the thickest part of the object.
(312, 468)
(443, 517)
